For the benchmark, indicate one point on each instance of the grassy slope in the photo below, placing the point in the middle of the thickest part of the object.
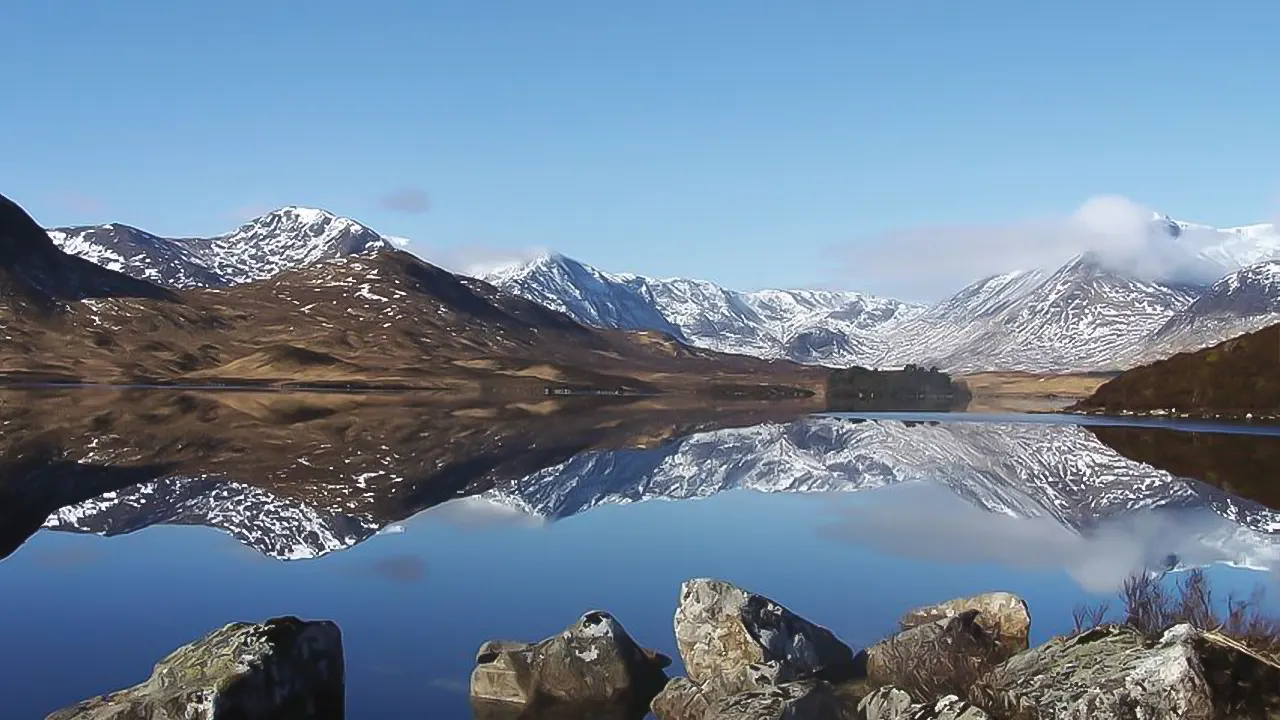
(1236, 377)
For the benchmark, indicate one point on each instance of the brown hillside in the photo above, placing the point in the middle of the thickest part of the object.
(382, 320)
(1235, 378)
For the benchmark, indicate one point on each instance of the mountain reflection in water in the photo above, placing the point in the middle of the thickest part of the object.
(850, 520)
(299, 475)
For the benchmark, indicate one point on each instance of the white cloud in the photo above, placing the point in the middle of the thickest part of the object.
(931, 262)
(475, 260)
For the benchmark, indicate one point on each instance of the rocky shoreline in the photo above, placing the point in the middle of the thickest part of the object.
(745, 657)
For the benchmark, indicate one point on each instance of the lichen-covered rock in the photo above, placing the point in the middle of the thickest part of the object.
(890, 703)
(808, 700)
(684, 699)
(594, 662)
(282, 669)
(944, 647)
(1115, 673)
(1004, 616)
(722, 629)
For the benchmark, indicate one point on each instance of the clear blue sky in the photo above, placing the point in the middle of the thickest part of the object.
(726, 139)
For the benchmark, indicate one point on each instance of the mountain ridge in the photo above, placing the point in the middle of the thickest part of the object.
(1079, 317)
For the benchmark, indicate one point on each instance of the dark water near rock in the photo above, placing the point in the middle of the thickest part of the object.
(133, 524)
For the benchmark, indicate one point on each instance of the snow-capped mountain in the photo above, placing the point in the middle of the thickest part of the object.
(135, 252)
(1081, 317)
(822, 327)
(1242, 302)
(1231, 248)
(1093, 313)
(273, 526)
(1086, 315)
(284, 239)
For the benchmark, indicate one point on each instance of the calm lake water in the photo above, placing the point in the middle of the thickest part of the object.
(158, 520)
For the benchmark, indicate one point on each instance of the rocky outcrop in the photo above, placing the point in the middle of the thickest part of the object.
(740, 646)
(951, 647)
(1114, 672)
(890, 703)
(593, 663)
(1004, 616)
(282, 669)
(809, 700)
(722, 629)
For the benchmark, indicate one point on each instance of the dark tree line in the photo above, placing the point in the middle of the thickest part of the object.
(909, 388)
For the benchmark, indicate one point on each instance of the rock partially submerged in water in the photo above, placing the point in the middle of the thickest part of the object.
(746, 653)
(722, 629)
(890, 703)
(1116, 673)
(592, 663)
(1003, 616)
(282, 669)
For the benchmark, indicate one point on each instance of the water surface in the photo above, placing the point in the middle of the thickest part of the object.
(136, 523)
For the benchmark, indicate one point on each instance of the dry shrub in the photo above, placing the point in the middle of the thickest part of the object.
(1152, 606)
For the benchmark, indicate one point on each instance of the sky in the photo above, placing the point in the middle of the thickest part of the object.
(753, 143)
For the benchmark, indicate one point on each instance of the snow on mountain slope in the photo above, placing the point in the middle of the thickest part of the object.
(284, 239)
(587, 295)
(1242, 302)
(1234, 247)
(1024, 470)
(836, 328)
(288, 238)
(138, 253)
(275, 527)
(1081, 317)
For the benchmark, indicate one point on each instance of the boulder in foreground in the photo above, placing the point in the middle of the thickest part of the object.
(593, 663)
(722, 629)
(282, 669)
(1004, 616)
(747, 654)
(1117, 673)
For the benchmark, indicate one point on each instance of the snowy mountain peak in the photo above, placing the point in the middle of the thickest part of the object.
(818, 326)
(294, 216)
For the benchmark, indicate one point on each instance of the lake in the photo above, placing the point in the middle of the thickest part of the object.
(133, 522)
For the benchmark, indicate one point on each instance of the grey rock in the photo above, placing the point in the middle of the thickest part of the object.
(808, 700)
(1004, 616)
(684, 699)
(945, 647)
(721, 630)
(282, 669)
(887, 703)
(890, 703)
(592, 663)
(1116, 673)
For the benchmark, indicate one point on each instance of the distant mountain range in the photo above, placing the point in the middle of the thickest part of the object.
(1084, 315)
